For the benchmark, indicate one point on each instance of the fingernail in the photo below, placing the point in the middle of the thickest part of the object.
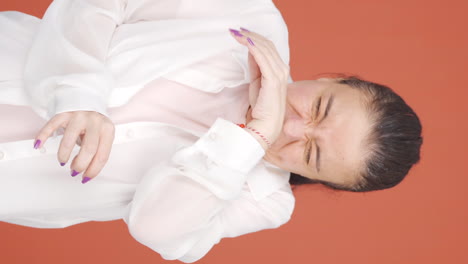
(244, 29)
(62, 163)
(74, 173)
(250, 41)
(37, 143)
(236, 32)
(85, 179)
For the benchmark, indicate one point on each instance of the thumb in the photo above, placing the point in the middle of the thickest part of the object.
(254, 90)
(254, 69)
(255, 84)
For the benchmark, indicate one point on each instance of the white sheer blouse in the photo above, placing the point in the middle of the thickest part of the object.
(188, 188)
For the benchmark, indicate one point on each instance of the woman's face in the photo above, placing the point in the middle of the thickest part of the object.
(326, 144)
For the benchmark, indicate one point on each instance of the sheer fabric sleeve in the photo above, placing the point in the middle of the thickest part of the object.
(183, 207)
(65, 67)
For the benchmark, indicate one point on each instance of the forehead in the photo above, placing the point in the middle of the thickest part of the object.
(349, 125)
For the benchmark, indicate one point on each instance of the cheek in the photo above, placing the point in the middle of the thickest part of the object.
(305, 106)
(291, 156)
(301, 104)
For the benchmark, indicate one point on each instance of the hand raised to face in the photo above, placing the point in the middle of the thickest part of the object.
(268, 85)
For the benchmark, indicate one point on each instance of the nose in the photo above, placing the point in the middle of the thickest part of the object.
(296, 128)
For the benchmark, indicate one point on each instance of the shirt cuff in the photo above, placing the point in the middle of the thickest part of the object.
(76, 99)
(221, 159)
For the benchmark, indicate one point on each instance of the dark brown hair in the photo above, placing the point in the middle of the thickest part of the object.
(394, 141)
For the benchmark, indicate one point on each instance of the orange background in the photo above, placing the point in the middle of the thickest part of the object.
(419, 48)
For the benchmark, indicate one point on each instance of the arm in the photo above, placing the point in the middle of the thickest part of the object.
(181, 209)
(65, 67)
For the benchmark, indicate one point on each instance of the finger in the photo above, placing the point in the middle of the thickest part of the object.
(269, 71)
(73, 130)
(254, 90)
(88, 149)
(259, 55)
(255, 73)
(55, 123)
(257, 38)
(279, 68)
(272, 47)
(255, 83)
(271, 51)
(254, 69)
(102, 154)
(253, 66)
(283, 68)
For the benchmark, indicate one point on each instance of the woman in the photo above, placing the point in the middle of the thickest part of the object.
(177, 168)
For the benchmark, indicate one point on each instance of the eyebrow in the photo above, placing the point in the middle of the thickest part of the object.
(327, 109)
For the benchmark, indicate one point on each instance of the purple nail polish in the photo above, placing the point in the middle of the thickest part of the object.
(85, 179)
(37, 143)
(62, 163)
(244, 29)
(250, 41)
(74, 173)
(236, 32)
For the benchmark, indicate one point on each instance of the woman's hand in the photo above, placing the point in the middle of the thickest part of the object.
(268, 85)
(92, 131)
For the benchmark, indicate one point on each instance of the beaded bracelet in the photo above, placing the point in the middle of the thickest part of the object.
(256, 132)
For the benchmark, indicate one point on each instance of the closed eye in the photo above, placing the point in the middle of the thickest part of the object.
(317, 107)
(315, 115)
(308, 151)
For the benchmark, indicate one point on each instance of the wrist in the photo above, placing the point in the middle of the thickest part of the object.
(264, 142)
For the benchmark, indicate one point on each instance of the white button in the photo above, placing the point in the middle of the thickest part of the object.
(130, 133)
(210, 164)
(43, 150)
(213, 136)
(2, 155)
